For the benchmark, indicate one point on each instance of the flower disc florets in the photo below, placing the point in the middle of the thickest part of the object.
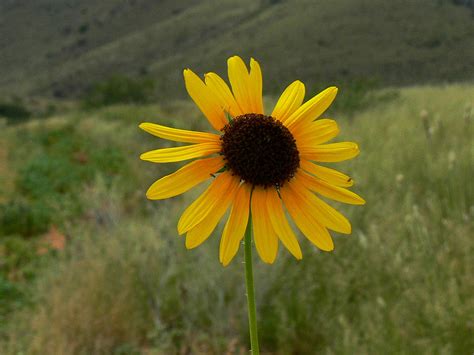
(260, 150)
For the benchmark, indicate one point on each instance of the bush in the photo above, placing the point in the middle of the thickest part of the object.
(14, 111)
(11, 297)
(18, 258)
(25, 219)
(119, 89)
(357, 95)
(66, 161)
(46, 176)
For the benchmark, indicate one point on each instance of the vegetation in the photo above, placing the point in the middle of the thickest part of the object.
(122, 282)
(68, 46)
(26, 219)
(119, 89)
(14, 111)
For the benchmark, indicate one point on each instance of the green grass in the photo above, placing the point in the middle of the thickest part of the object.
(68, 46)
(402, 283)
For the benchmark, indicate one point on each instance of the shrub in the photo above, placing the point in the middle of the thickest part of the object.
(119, 89)
(68, 160)
(46, 176)
(354, 95)
(11, 297)
(359, 94)
(83, 28)
(20, 259)
(22, 218)
(14, 111)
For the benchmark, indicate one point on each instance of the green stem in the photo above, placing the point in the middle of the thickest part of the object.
(250, 289)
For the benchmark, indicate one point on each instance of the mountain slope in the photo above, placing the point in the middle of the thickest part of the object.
(57, 47)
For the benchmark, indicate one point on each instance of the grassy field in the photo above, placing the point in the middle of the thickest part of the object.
(67, 46)
(89, 266)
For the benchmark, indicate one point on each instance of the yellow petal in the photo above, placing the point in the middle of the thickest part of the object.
(185, 178)
(322, 212)
(266, 240)
(224, 184)
(289, 101)
(313, 108)
(198, 234)
(204, 99)
(332, 152)
(306, 219)
(221, 91)
(330, 191)
(330, 175)
(168, 155)
(236, 224)
(240, 81)
(178, 135)
(315, 133)
(255, 86)
(280, 224)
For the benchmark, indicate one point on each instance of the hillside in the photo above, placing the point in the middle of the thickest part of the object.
(58, 48)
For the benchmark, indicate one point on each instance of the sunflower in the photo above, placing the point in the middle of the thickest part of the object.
(261, 165)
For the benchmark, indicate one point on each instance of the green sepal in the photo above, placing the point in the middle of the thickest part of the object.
(228, 116)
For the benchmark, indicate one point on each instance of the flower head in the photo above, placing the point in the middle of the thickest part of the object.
(260, 164)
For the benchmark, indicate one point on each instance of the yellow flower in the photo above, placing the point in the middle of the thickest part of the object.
(259, 163)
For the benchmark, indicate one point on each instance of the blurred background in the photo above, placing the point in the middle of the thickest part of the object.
(89, 266)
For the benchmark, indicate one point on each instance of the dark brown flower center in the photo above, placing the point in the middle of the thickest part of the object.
(260, 150)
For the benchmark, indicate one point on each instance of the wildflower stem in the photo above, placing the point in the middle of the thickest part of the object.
(250, 290)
